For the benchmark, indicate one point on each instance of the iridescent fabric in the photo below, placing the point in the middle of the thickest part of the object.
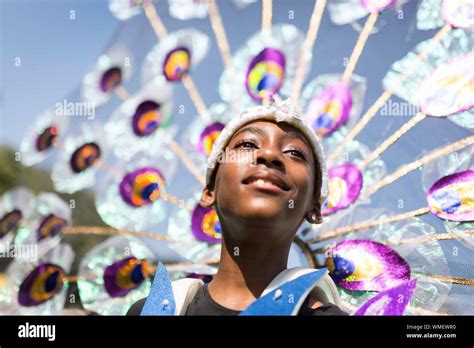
(43, 228)
(389, 302)
(40, 140)
(36, 286)
(75, 167)
(455, 44)
(433, 14)
(423, 259)
(455, 162)
(329, 105)
(264, 65)
(167, 56)
(452, 197)
(187, 9)
(449, 89)
(375, 6)
(112, 69)
(356, 152)
(459, 13)
(346, 11)
(124, 10)
(141, 124)
(429, 15)
(106, 286)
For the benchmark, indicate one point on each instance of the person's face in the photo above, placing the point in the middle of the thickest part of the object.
(278, 190)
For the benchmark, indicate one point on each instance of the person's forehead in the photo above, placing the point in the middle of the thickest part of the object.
(262, 127)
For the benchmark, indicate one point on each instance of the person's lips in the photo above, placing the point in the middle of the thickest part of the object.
(267, 181)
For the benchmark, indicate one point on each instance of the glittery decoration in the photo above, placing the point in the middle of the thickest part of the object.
(265, 74)
(327, 111)
(176, 54)
(122, 259)
(51, 226)
(177, 63)
(124, 10)
(264, 65)
(47, 138)
(123, 276)
(459, 13)
(188, 9)
(41, 285)
(205, 225)
(160, 301)
(10, 222)
(345, 184)
(393, 301)
(455, 44)
(375, 6)
(449, 89)
(84, 157)
(277, 302)
(141, 187)
(452, 197)
(366, 265)
(147, 118)
(111, 78)
(208, 137)
(112, 69)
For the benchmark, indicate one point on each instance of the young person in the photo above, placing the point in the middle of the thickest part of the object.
(261, 203)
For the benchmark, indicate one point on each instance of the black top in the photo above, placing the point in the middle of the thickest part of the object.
(203, 304)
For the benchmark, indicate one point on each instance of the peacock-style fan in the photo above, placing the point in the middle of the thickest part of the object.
(145, 159)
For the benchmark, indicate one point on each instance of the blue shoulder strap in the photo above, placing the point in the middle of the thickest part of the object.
(288, 298)
(160, 300)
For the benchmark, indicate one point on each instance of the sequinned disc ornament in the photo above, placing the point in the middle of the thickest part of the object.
(205, 225)
(329, 110)
(366, 265)
(84, 157)
(177, 63)
(51, 226)
(459, 13)
(125, 275)
(42, 284)
(449, 89)
(452, 197)
(375, 6)
(10, 222)
(208, 137)
(142, 186)
(47, 138)
(147, 118)
(345, 184)
(265, 74)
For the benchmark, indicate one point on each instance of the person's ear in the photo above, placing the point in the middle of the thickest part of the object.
(314, 215)
(208, 197)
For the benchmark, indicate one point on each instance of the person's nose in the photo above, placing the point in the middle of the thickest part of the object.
(270, 156)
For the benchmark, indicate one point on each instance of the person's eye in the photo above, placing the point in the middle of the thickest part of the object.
(297, 153)
(246, 144)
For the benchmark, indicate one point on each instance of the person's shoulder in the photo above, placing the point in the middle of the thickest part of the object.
(137, 307)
